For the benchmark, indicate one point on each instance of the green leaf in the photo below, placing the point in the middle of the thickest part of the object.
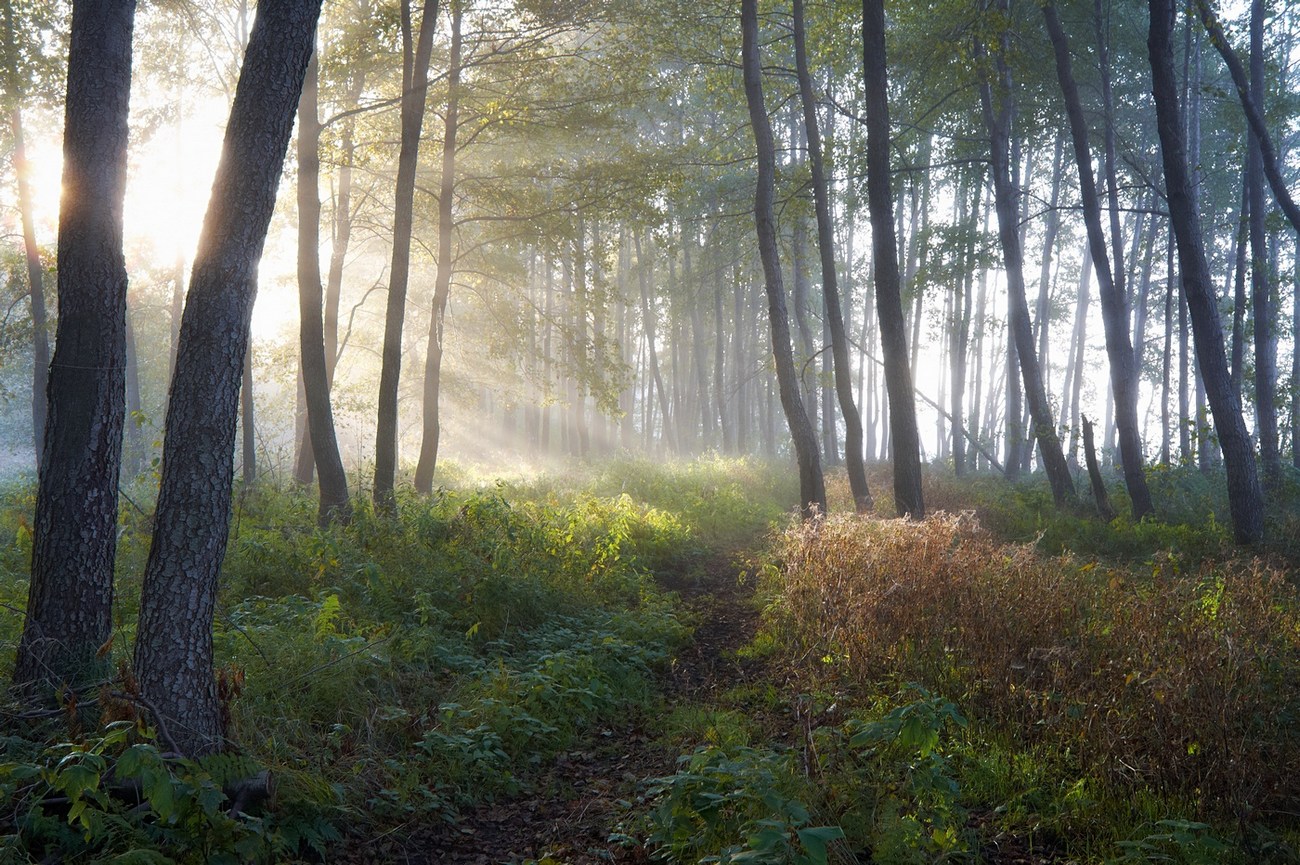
(815, 838)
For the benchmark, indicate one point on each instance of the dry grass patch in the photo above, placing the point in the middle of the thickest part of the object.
(1186, 681)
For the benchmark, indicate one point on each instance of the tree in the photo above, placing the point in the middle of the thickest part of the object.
(853, 457)
(442, 280)
(14, 93)
(908, 499)
(997, 120)
(334, 503)
(812, 486)
(69, 607)
(173, 650)
(1245, 498)
(1123, 373)
(416, 54)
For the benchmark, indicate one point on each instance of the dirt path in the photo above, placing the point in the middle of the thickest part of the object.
(568, 815)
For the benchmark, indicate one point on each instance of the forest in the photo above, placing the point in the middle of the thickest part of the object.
(797, 432)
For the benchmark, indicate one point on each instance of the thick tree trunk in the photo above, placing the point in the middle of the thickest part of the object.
(812, 486)
(173, 650)
(908, 498)
(830, 283)
(315, 356)
(1049, 444)
(432, 432)
(70, 598)
(1110, 286)
(415, 82)
(1245, 497)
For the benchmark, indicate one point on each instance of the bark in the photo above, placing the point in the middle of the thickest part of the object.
(70, 596)
(1167, 355)
(173, 650)
(1245, 497)
(961, 331)
(812, 486)
(320, 441)
(830, 283)
(1021, 334)
(416, 55)
(1110, 285)
(432, 418)
(908, 499)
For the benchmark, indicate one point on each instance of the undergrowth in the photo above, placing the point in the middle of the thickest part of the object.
(383, 672)
(1115, 707)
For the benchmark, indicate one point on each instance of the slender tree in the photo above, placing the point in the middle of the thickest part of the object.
(853, 457)
(1245, 498)
(442, 279)
(997, 120)
(321, 438)
(1114, 307)
(812, 486)
(69, 601)
(173, 650)
(417, 51)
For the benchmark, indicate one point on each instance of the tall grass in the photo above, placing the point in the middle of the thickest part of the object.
(1186, 681)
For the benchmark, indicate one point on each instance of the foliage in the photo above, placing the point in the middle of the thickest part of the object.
(1181, 677)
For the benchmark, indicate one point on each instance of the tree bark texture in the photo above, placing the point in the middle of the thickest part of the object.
(906, 440)
(173, 650)
(75, 532)
(812, 486)
(1245, 498)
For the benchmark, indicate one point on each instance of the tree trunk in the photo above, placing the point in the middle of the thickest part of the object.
(908, 498)
(432, 431)
(415, 82)
(812, 486)
(650, 317)
(1261, 290)
(1099, 494)
(1245, 497)
(70, 598)
(314, 356)
(173, 650)
(830, 283)
(1049, 445)
(1110, 285)
(35, 272)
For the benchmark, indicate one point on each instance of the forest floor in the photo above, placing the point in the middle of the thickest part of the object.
(579, 811)
(570, 814)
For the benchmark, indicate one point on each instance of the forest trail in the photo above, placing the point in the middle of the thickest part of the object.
(568, 815)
